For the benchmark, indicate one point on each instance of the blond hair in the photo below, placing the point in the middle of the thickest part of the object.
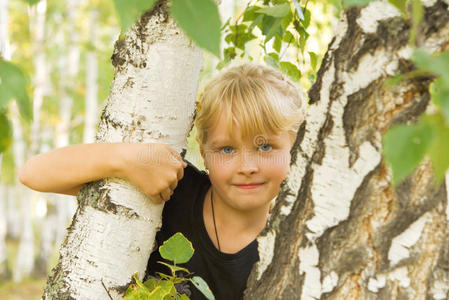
(259, 99)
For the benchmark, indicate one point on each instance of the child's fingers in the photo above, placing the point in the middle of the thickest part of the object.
(166, 194)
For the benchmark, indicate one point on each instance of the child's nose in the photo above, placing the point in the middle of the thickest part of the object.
(248, 162)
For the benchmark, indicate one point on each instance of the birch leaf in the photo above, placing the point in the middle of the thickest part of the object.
(200, 21)
(177, 249)
(129, 11)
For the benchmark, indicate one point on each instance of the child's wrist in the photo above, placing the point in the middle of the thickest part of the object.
(117, 160)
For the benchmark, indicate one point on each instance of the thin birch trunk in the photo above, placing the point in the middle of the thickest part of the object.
(25, 254)
(90, 114)
(339, 230)
(48, 226)
(69, 67)
(151, 100)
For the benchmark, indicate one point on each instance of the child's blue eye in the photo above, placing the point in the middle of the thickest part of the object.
(227, 150)
(265, 148)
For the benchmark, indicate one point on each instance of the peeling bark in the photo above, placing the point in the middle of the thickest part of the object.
(339, 230)
(112, 232)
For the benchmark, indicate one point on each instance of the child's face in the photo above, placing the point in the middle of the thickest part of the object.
(246, 173)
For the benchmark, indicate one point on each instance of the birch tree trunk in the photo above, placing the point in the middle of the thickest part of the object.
(25, 254)
(339, 230)
(69, 67)
(151, 100)
(90, 114)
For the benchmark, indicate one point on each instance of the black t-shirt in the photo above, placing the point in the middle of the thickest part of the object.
(226, 274)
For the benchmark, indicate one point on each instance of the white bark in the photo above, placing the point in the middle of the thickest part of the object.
(90, 114)
(25, 254)
(37, 28)
(69, 67)
(3, 230)
(151, 100)
(5, 49)
(48, 225)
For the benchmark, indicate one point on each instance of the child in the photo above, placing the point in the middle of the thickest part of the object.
(247, 119)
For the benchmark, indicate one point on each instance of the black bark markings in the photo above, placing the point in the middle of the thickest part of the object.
(122, 54)
(296, 148)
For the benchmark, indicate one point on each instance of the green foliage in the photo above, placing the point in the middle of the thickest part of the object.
(5, 132)
(129, 11)
(282, 22)
(405, 146)
(200, 21)
(13, 85)
(179, 250)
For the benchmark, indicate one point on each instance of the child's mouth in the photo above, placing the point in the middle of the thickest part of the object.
(248, 186)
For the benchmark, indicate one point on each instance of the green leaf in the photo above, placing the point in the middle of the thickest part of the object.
(13, 85)
(200, 284)
(184, 297)
(437, 64)
(250, 13)
(200, 21)
(290, 69)
(277, 11)
(271, 26)
(401, 5)
(286, 21)
(313, 59)
(177, 249)
(163, 289)
(137, 291)
(288, 37)
(129, 11)
(404, 147)
(307, 17)
(151, 284)
(417, 15)
(238, 36)
(277, 44)
(255, 23)
(271, 59)
(5, 132)
(440, 97)
(439, 150)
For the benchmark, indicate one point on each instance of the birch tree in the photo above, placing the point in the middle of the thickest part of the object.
(339, 230)
(112, 234)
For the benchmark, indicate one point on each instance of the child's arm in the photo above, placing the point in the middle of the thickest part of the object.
(153, 168)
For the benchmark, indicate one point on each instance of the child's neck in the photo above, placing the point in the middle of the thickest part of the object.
(235, 228)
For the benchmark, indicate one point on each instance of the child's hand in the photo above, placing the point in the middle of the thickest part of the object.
(154, 169)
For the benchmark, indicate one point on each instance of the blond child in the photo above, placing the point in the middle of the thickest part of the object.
(246, 121)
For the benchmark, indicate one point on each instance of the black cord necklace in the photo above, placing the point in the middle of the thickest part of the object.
(213, 218)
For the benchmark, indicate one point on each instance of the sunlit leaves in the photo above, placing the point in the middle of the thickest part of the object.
(277, 11)
(13, 85)
(200, 21)
(290, 69)
(129, 11)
